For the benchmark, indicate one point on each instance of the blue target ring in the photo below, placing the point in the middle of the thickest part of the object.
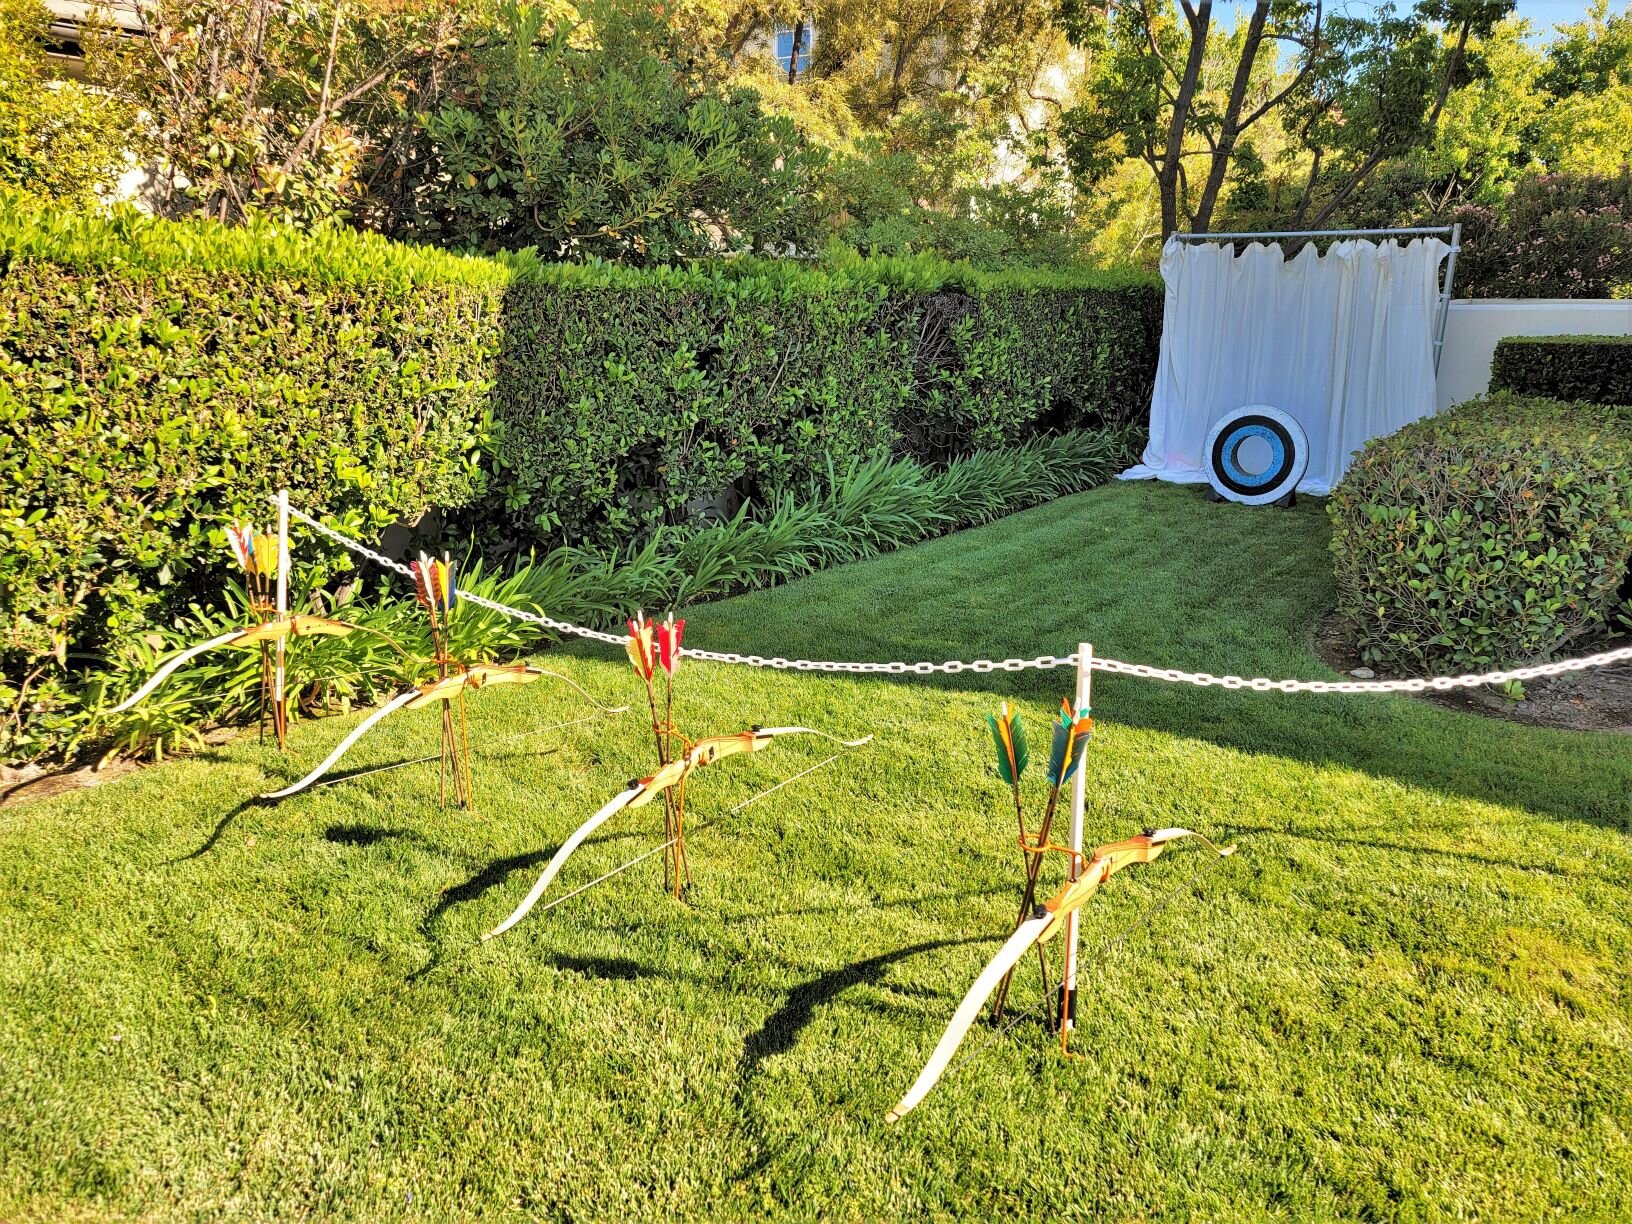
(1274, 431)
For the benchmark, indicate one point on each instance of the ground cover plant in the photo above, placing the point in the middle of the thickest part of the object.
(1404, 997)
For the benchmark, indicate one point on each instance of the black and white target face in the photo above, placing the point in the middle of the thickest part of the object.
(1256, 455)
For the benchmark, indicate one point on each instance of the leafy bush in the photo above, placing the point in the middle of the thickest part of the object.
(1000, 358)
(1589, 369)
(58, 139)
(596, 134)
(1496, 532)
(158, 379)
(745, 379)
(391, 647)
(1556, 236)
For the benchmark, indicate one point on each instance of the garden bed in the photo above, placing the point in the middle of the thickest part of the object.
(1596, 700)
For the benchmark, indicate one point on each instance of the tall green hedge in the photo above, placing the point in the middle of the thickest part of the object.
(1588, 369)
(1494, 533)
(158, 379)
(630, 402)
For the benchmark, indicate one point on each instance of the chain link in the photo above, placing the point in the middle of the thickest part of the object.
(1115, 667)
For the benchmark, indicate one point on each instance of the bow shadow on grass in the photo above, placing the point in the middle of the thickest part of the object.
(215, 833)
(365, 835)
(782, 1028)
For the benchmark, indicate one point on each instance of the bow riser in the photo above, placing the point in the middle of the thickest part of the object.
(485, 674)
(441, 690)
(701, 754)
(292, 626)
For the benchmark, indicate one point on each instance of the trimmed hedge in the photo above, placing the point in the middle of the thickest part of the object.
(159, 378)
(1494, 533)
(632, 403)
(1587, 369)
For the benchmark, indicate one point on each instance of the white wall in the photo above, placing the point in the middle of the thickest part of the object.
(1473, 327)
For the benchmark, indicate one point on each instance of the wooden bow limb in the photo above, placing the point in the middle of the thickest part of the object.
(559, 858)
(644, 790)
(1045, 922)
(400, 701)
(254, 635)
(169, 668)
(444, 689)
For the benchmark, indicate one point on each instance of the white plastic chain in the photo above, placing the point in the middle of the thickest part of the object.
(1040, 663)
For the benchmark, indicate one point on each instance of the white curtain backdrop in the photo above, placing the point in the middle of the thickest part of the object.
(1343, 342)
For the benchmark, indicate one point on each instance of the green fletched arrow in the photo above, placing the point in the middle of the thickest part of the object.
(1070, 744)
(1009, 735)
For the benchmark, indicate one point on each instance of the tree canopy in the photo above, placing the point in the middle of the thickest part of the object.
(995, 130)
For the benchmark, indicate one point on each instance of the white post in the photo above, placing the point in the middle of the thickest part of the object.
(1079, 797)
(283, 600)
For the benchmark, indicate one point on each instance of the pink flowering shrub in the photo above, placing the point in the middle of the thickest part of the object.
(1556, 236)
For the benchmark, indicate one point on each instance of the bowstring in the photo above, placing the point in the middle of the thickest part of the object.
(481, 750)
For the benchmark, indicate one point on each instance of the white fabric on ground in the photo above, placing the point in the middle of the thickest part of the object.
(1342, 341)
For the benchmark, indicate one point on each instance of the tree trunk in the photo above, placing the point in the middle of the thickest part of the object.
(1199, 18)
(1230, 128)
(793, 59)
(1353, 182)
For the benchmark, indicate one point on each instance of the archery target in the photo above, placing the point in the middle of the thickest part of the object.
(1256, 455)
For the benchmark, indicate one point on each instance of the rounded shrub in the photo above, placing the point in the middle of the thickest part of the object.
(1494, 533)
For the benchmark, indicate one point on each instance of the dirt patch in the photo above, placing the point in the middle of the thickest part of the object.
(1599, 699)
(33, 782)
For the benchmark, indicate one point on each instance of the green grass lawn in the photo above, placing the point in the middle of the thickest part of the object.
(1406, 996)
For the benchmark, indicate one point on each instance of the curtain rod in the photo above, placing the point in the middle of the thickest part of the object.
(1353, 233)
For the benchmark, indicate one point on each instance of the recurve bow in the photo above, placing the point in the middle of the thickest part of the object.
(642, 791)
(1045, 922)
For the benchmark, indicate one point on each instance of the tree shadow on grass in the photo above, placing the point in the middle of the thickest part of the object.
(1373, 843)
(1154, 575)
